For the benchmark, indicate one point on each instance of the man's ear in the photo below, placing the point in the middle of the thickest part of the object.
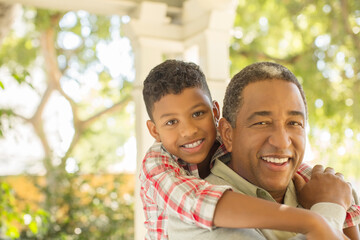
(226, 133)
(153, 130)
(216, 112)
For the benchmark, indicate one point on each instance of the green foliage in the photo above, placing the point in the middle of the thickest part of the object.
(5, 114)
(72, 207)
(85, 209)
(14, 222)
(319, 42)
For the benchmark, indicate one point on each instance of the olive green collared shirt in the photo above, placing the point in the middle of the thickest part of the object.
(224, 175)
(221, 174)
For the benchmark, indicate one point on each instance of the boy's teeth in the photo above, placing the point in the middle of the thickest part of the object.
(192, 145)
(275, 160)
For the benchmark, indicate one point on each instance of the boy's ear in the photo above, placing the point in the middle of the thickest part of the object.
(153, 130)
(216, 111)
(226, 133)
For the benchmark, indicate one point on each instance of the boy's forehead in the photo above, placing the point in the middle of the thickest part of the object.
(185, 100)
(184, 93)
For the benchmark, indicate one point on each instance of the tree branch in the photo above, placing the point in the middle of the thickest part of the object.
(347, 26)
(84, 125)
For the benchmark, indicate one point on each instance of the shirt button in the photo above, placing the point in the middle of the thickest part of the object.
(262, 194)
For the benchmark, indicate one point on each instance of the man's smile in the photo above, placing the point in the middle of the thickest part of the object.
(276, 160)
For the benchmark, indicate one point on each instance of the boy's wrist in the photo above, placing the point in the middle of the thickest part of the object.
(334, 214)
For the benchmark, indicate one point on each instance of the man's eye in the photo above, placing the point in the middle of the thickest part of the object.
(171, 122)
(260, 123)
(293, 123)
(197, 114)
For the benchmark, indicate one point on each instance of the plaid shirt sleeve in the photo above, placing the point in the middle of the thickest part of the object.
(167, 188)
(352, 214)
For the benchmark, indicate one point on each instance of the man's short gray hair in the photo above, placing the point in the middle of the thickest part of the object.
(256, 72)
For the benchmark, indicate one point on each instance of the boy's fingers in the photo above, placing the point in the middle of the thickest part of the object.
(340, 175)
(299, 182)
(329, 170)
(317, 169)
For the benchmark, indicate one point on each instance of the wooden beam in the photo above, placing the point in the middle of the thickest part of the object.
(102, 7)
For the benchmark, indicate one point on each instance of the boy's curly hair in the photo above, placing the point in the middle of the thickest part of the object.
(172, 77)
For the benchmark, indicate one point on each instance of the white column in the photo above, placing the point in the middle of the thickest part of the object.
(202, 36)
(152, 38)
(145, 59)
(207, 25)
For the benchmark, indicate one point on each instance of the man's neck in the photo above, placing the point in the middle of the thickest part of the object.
(278, 196)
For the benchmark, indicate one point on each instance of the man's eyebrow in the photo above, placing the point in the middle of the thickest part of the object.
(296, 113)
(268, 113)
(260, 113)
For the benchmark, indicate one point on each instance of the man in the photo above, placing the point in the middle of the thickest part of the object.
(263, 128)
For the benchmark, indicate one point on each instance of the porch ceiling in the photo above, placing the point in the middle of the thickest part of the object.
(106, 7)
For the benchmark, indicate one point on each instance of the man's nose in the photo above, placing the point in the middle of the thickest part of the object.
(188, 129)
(280, 137)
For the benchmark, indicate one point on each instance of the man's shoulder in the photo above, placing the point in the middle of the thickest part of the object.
(216, 176)
(213, 179)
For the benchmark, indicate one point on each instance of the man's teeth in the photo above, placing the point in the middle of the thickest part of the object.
(192, 145)
(275, 160)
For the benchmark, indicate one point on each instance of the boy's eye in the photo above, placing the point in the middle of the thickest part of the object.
(197, 114)
(171, 122)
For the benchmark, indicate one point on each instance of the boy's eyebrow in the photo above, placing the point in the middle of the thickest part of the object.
(173, 114)
(197, 105)
(268, 113)
(167, 115)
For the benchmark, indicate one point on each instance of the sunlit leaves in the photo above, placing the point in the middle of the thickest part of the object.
(80, 123)
(317, 41)
(12, 217)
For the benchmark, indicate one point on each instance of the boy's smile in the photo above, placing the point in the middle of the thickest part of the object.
(184, 123)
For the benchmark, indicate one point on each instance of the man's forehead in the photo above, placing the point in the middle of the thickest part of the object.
(263, 95)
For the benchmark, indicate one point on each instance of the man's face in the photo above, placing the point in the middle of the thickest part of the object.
(268, 142)
(184, 123)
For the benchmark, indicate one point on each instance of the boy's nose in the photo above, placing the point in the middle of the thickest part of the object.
(188, 129)
(280, 138)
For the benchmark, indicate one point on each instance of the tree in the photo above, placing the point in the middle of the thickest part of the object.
(57, 58)
(319, 42)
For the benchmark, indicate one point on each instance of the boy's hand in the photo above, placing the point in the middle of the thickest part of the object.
(324, 186)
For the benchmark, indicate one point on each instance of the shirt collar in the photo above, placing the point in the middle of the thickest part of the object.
(223, 171)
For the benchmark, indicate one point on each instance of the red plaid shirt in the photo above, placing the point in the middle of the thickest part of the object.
(170, 184)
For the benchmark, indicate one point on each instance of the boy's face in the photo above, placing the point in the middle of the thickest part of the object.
(184, 123)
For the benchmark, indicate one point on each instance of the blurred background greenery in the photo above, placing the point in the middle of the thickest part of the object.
(67, 117)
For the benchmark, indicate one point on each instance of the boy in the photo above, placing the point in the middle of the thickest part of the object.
(183, 123)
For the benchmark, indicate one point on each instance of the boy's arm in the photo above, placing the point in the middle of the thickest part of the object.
(263, 214)
(193, 200)
(166, 185)
(238, 210)
(352, 232)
